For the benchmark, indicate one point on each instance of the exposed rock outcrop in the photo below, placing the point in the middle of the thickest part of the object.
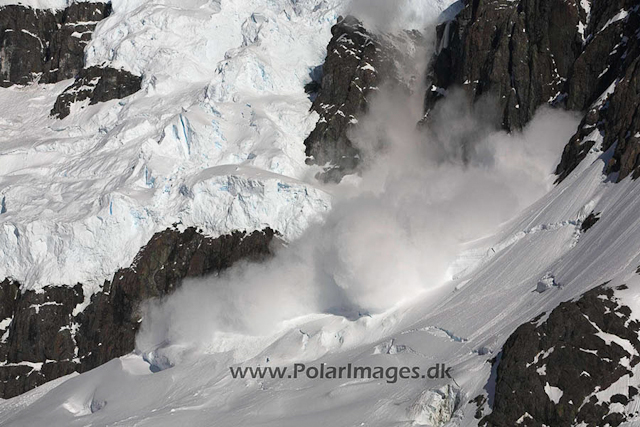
(37, 344)
(606, 81)
(351, 72)
(357, 64)
(96, 84)
(551, 371)
(46, 45)
(580, 55)
(49, 334)
(519, 52)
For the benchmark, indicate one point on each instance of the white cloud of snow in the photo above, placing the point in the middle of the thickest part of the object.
(394, 15)
(392, 232)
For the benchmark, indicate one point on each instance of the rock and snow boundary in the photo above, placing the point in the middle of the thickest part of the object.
(496, 292)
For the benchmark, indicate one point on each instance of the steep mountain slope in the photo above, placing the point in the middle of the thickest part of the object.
(587, 53)
(521, 319)
(357, 63)
(212, 99)
(86, 183)
(47, 45)
(462, 324)
(574, 54)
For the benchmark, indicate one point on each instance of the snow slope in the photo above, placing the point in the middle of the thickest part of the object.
(223, 85)
(461, 324)
(215, 140)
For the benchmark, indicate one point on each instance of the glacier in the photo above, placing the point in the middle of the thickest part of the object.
(498, 295)
(221, 87)
(215, 140)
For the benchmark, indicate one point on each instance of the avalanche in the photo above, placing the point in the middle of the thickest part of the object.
(214, 140)
(498, 295)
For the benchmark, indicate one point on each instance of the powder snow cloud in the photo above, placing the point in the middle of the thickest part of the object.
(394, 230)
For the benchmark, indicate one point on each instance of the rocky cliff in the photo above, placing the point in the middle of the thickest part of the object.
(49, 334)
(580, 55)
(350, 74)
(358, 63)
(47, 46)
(605, 84)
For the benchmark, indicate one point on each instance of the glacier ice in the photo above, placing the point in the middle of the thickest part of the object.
(214, 139)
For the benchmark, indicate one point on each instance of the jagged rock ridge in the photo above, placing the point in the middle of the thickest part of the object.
(49, 334)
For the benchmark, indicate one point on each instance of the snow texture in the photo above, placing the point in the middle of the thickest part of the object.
(497, 298)
(214, 139)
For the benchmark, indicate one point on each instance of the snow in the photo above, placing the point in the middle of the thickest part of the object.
(369, 67)
(5, 323)
(214, 140)
(622, 14)
(223, 85)
(582, 26)
(541, 356)
(434, 407)
(624, 343)
(523, 418)
(495, 300)
(554, 393)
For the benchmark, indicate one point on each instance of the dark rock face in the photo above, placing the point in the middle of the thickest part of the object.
(606, 82)
(44, 338)
(96, 84)
(519, 52)
(46, 45)
(568, 351)
(109, 325)
(39, 334)
(602, 58)
(357, 64)
(350, 73)
(528, 53)
(590, 221)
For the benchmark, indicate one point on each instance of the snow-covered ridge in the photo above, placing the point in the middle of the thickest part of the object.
(217, 144)
(223, 84)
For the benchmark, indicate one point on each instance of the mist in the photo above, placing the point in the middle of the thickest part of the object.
(396, 15)
(394, 229)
